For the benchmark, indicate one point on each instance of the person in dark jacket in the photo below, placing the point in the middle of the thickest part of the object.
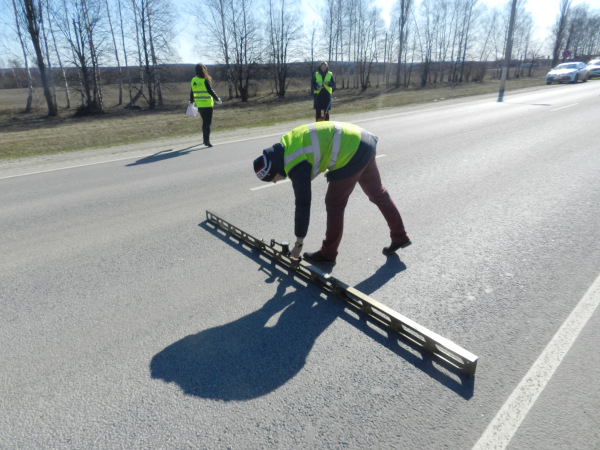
(346, 154)
(322, 85)
(203, 95)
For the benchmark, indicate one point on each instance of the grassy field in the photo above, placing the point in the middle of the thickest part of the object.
(23, 135)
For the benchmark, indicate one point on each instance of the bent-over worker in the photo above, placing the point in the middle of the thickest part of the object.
(346, 154)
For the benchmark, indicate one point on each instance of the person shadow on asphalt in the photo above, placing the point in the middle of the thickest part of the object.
(253, 355)
(256, 354)
(163, 155)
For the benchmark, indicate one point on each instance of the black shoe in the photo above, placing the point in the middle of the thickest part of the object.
(318, 258)
(395, 246)
(208, 144)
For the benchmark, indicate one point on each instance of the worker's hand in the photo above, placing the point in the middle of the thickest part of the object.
(219, 101)
(296, 250)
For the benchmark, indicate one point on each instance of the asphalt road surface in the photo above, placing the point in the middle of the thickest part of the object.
(128, 321)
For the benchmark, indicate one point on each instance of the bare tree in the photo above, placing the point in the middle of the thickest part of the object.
(445, 20)
(115, 48)
(136, 14)
(523, 38)
(91, 14)
(145, 60)
(581, 31)
(86, 23)
(471, 14)
(159, 20)
(215, 19)
(25, 58)
(560, 29)
(489, 25)
(332, 28)
(404, 9)
(329, 25)
(58, 57)
(246, 47)
(350, 36)
(80, 24)
(46, 49)
(65, 20)
(311, 43)
(235, 27)
(369, 22)
(34, 18)
(283, 30)
(426, 38)
(388, 50)
(508, 49)
(122, 29)
(592, 42)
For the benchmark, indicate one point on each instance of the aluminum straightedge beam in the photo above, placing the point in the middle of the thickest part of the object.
(411, 332)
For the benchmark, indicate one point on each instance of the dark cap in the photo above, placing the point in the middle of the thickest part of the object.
(262, 167)
(270, 163)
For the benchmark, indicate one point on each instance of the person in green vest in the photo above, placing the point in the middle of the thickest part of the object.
(203, 95)
(322, 85)
(345, 153)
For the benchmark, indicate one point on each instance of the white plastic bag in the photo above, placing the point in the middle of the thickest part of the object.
(191, 110)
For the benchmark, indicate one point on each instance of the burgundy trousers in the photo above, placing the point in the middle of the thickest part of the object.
(336, 200)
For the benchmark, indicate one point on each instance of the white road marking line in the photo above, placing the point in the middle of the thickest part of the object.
(563, 107)
(268, 185)
(508, 420)
(56, 169)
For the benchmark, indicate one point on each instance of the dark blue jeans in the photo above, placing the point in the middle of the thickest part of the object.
(206, 114)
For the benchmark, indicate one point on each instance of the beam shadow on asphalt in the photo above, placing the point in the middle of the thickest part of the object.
(258, 353)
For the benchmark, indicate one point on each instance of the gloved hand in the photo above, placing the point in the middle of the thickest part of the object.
(219, 101)
(297, 249)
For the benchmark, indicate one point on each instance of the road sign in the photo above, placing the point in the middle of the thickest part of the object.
(566, 54)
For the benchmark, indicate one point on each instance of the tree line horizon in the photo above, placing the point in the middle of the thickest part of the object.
(82, 45)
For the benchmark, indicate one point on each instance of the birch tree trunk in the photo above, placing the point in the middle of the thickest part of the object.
(25, 59)
(114, 41)
(34, 18)
(58, 58)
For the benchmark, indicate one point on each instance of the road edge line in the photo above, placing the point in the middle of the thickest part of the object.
(508, 420)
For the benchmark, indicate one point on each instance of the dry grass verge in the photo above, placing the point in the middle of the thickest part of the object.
(23, 135)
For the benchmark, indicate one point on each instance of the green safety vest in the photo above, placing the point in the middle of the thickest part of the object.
(325, 145)
(201, 96)
(319, 80)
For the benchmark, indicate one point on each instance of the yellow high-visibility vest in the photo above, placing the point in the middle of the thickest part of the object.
(201, 96)
(325, 145)
(319, 80)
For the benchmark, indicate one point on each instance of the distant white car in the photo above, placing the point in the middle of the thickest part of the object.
(594, 68)
(571, 72)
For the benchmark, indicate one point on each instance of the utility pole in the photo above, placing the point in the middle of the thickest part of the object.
(508, 50)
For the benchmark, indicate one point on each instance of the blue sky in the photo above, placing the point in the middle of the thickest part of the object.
(544, 13)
